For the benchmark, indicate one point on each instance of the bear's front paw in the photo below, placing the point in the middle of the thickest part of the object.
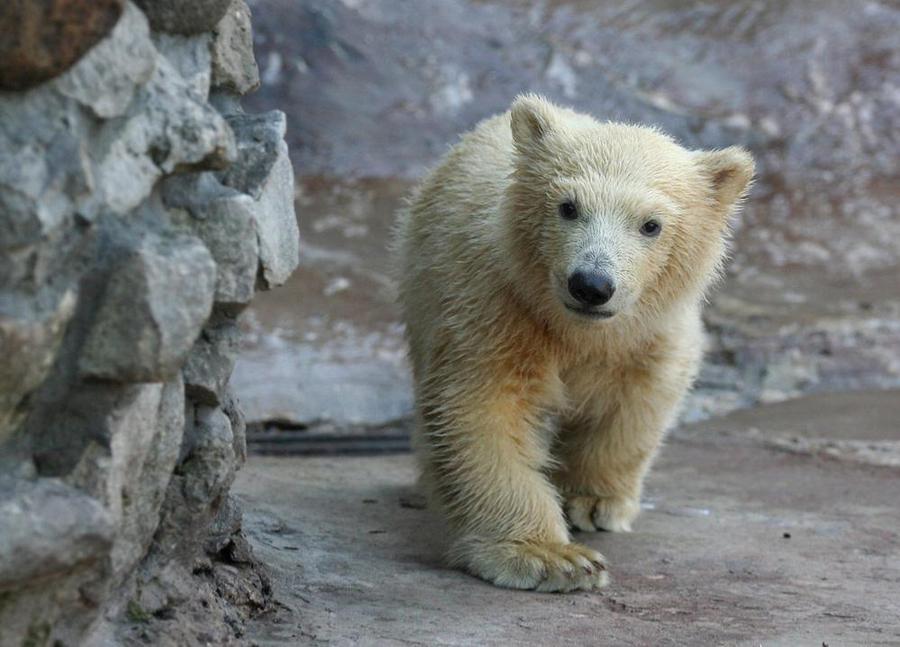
(591, 513)
(540, 566)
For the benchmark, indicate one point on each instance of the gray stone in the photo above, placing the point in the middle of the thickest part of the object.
(190, 56)
(233, 64)
(40, 185)
(210, 467)
(49, 529)
(147, 479)
(65, 433)
(30, 335)
(229, 230)
(225, 524)
(127, 463)
(259, 147)
(210, 362)
(264, 172)
(152, 311)
(167, 129)
(108, 77)
(232, 408)
(203, 475)
(279, 236)
(181, 17)
(224, 220)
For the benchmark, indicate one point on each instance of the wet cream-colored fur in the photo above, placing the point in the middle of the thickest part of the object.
(533, 417)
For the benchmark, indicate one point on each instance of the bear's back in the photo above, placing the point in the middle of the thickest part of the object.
(455, 211)
(470, 180)
(448, 240)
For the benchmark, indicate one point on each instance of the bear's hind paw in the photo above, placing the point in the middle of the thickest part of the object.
(591, 513)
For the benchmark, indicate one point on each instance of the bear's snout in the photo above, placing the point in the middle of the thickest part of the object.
(591, 289)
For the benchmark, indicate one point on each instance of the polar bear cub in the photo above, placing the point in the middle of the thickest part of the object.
(552, 270)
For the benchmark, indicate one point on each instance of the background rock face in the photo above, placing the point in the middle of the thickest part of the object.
(140, 209)
(376, 92)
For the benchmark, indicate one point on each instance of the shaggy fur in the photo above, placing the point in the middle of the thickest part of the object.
(531, 415)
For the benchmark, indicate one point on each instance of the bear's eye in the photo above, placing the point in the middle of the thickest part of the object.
(651, 228)
(568, 210)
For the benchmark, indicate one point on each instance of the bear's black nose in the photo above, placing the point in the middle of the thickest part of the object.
(591, 288)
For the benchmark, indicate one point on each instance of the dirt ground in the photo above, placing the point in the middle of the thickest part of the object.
(753, 532)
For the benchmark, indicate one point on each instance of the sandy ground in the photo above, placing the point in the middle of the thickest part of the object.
(775, 526)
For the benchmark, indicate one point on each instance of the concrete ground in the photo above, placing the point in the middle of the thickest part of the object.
(778, 526)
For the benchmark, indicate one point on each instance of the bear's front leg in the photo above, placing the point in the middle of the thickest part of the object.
(606, 447)
(485, 458)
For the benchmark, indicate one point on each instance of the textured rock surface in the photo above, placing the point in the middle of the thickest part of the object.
(264, 172)
(234, 67)
(181, 17)
(125, 256)
(29, 339)
(153, 308)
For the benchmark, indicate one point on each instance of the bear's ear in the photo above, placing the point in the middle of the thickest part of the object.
(532, 117)
(729, 172)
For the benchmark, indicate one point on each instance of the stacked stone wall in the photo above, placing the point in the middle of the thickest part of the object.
(140, 210)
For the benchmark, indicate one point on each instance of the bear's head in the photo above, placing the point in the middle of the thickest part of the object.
(614, 220)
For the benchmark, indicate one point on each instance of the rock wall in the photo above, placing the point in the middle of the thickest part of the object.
(140, 209)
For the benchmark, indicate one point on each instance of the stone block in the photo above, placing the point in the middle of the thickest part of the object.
(232, 408)
(183, 17)
(234, 67)
(263, 170)
(31, 331)
(190, 56)
(166, 129)
(152, 311)
(40, 184)
(224, 525)
(259, 140)
(210, 362)
(196, 490)
(209, 468)
(107, 78)
(224, 220)
(49, 529)
(126, 464)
